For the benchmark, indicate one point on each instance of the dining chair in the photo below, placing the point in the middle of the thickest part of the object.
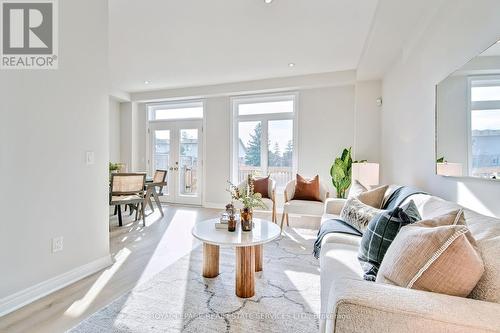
(128, 189)
(159, 181)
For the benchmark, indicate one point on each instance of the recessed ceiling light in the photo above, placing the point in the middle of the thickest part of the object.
(147, 82)
(291, 65)
(268, 1)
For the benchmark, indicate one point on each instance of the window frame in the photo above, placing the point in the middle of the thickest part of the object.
(264, 119)
(151, 108)
(485, 81)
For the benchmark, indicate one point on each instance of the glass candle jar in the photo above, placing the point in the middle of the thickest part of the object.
(231, 224)
(246, 219)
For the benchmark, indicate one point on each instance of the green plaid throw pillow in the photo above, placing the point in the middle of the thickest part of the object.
(379, 234)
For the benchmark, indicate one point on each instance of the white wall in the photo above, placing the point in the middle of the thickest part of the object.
(326, 125)
(217, 150)
(459, 31)
(114, 130)
(367, 121)
(50, 118)
(133, 136)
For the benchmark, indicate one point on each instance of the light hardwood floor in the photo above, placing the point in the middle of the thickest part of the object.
(139, 254)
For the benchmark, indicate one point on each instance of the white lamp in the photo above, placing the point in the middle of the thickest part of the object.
(366, 173)
(449, 169)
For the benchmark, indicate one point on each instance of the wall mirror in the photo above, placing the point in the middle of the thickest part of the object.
(468, 119)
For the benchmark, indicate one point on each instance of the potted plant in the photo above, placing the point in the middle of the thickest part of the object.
(114, 167)
(249, 199)
(341, 172)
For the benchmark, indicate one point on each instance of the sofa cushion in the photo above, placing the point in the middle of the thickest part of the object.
(304, 207)
(338, 261)
(358, 214)
(379, 235)
(341, 238)
(486, 232)
(356, 189)
(437, 255)
(307, 189)
(261, 185)
(373, 197)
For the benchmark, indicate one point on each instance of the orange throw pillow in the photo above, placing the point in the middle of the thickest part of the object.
(261, 186)
(307, 189)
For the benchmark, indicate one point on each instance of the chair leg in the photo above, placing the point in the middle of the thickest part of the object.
(150, 203)
(116, 210)
(119, 215)
(136, 212)
(282, 220)
(287, 220)
(274, 214)
(143, 214)
(158, 202)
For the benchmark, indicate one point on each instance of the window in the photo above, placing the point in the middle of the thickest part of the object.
(484, 123)
(264, 137)
(175, 111)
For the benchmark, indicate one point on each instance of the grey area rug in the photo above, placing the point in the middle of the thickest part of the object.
(179, 299)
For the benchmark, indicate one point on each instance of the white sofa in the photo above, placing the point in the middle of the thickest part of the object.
(350, 304)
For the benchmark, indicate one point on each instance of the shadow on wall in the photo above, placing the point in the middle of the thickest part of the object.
(477, 194)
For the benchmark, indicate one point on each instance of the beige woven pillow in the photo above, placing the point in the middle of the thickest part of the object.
(437, 255)
(357, 213)
(373, 197)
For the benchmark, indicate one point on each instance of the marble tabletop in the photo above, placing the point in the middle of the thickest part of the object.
(263, 232)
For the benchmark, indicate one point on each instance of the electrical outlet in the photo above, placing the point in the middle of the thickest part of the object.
(57, 244)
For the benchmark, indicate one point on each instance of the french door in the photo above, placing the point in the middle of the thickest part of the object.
(177, 146)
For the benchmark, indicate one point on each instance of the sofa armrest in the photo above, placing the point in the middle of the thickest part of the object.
(361, 306)
(334, 205)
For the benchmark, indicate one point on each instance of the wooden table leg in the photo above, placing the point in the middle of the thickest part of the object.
(259, 251)
(245, 271)
(210, 260)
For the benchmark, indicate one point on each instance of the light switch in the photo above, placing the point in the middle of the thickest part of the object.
(89, 158)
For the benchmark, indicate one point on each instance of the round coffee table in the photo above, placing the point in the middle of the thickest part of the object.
(248, 246)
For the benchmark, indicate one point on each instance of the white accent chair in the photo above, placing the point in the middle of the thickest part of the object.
(269, 202)
(302, 207)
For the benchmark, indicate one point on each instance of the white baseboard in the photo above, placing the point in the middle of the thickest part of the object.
(21, 298)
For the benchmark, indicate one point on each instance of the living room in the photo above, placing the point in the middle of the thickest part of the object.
(293, 127)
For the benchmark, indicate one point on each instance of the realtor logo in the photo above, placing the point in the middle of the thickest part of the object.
(29, 34)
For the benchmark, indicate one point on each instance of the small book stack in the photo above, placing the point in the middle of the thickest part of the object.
(222, 224)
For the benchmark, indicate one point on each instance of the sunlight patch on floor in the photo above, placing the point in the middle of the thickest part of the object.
(175, 242)
(78, 307)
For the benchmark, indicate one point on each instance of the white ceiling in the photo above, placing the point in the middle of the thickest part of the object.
(396, 24)
(199, 42)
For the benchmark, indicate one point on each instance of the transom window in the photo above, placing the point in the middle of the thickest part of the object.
(175, 110)
(264, 137)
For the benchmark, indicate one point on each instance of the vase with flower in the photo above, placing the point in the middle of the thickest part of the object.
(250, 200)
